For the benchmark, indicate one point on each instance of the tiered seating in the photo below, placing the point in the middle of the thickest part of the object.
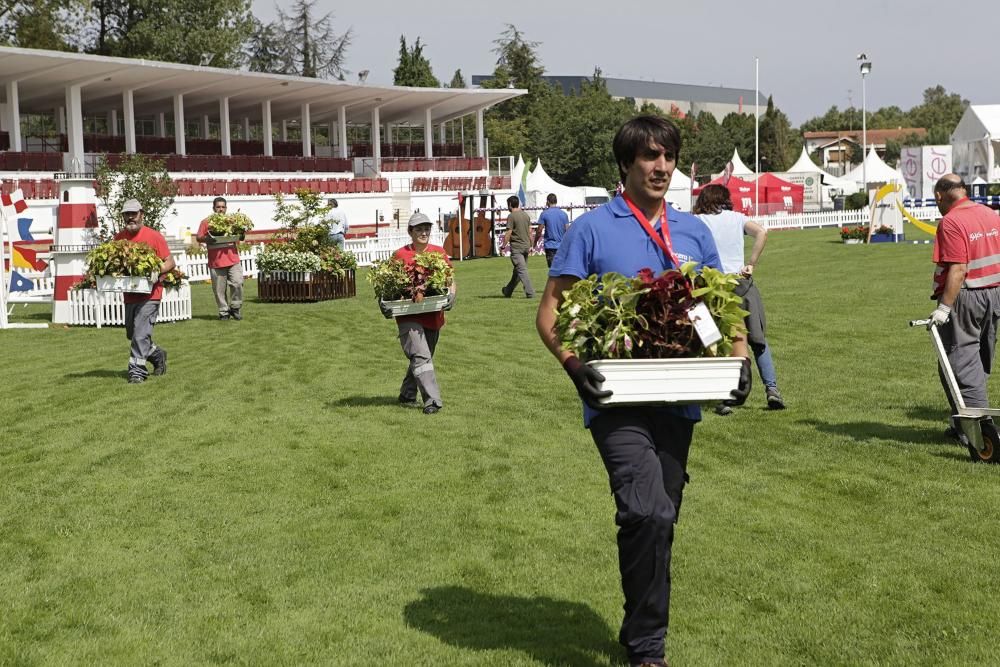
(434, 164)
(214, 187)
(24, 161)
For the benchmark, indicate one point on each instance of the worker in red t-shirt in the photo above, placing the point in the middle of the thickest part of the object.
(418, 334)
(967, 288)
(141, 310)
(225, 267)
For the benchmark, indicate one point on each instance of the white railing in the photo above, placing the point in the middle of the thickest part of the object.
(834, 218)
(43, 286)
(196, 266)
(88, 307)
(373, 249)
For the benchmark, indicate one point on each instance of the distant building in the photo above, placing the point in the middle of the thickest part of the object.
(976, 143)
(835, 145)
(680, 98)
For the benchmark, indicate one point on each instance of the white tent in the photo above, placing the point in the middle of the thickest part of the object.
(976, 143)
(679, 194)
(516, 173)
(804, 169)
(540, 184)
(876, 171)
(739, 169)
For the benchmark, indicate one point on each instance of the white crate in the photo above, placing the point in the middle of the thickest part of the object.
(653, 381)
(430, 304)
(140, 284)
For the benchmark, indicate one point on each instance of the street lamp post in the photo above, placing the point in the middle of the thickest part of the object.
(866, 67)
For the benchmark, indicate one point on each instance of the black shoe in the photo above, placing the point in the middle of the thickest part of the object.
(529, 296)
(723, 410)
(159, 362)
(431, 409)
(506, 294)
(136, 379)
(774, 399)
(236, 314)
(408, 402)
(223, 316)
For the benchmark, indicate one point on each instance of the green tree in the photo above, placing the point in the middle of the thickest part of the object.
(264, 49)
(413, 69)
(457, 80)
(517, 67)
(308, 45)
(135, 177)
(778, 147)
(182, 31)
(939, 114)
(40, 24)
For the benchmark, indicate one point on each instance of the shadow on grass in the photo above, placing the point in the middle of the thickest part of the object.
(553, 632)
(97, 373)
(861, 431)
(361, 401)
(930, 413)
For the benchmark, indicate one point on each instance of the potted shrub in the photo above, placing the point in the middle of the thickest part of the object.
(124, 266)
(883, 234)
(638, 333)
(854, 235)
(408, 290)
(228, 228)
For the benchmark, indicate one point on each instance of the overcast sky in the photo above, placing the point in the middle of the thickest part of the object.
(807, 49)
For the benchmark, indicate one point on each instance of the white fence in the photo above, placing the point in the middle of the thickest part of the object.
(835, 218)
(196, 266)
(370, 250)
(89, 307)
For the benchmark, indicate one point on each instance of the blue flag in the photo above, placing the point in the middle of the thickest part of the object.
(19, 283)
(24, 229)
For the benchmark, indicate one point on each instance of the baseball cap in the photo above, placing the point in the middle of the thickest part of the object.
(132, 206)
(418, 218)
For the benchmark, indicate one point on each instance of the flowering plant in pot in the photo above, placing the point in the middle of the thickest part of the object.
(124, 266)
(229, 226)
(336, 261)
(859, 233)
(283, 257)
(420, 287)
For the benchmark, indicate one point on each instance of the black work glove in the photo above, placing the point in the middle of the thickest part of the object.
(243, 236)
(450, 303)
(586, 380)
(739, 395)
(386, 310)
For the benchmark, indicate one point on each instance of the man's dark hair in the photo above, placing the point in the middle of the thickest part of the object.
(551, 199)
(637, 134)
(950, 182)
(513, 202)
(217, 200)
(333, 202)
(714, 198)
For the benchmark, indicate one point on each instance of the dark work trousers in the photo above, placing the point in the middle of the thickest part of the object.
(645, 451)
(550, 254)
(969, 337)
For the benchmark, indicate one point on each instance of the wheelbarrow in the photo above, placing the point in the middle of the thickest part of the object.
(975, 424)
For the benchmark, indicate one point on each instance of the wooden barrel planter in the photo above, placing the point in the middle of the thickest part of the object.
(276, 286)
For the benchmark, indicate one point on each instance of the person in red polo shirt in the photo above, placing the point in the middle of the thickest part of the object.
(967, 289)
(224, 264)
(141, 310)
(418, 334)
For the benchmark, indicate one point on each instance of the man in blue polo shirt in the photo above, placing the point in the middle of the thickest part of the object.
(554, 222)
(644, 448)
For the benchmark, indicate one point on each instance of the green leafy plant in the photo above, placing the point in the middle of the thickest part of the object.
(174, 279)
(123, 258)
(646, 317)
(389, 279)
(431, 274)
(885, 229)
(134, 177)
(336, 261)
(231, 224)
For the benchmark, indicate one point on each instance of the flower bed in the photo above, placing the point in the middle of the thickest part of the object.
(858, 234)
(286, 286)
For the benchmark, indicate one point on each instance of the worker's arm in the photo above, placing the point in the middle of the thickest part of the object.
(759, 235)
(953, 283)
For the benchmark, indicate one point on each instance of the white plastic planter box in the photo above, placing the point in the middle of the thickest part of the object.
(219, 240)
(654, 381)
(430, 304)
(140, 284)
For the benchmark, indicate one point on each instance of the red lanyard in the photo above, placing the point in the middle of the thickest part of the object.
(663, 242)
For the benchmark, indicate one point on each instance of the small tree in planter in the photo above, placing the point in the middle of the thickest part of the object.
(135, 177)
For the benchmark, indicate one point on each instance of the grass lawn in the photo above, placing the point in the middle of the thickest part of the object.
(268, 502)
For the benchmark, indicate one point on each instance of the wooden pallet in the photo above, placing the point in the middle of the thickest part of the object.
(316, 286)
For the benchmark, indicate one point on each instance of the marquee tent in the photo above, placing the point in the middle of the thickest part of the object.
(679, 194)
(779, 195)
(540, 184)
(878, 172)
(742, 193)
(739, 169)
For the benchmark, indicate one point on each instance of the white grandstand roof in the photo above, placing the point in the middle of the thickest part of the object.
(43, 77)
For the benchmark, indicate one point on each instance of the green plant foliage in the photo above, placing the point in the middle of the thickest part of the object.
(229, 224)
(436, 272)
(173, 279)
(646, 317)
(123, 258)
(135, 177)
(389, 279)
(429, 275)
(336, 261)
(283, 257)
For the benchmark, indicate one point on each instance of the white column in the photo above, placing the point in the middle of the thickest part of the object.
(161, 124)
(376, 137)
(284, 129)
(206, 130)
(480, 137)
(74, 129)
(179, 147)
(246, 128)
(428, 135)
(13, 118)
(113, 122)
(128, 106)
(342, 129)
(224, 131)
(306, 132)
(265, 114)
(441, 133)
(332, 133)
(61, 119)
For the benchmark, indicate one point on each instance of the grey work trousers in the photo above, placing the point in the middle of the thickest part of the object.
(418, 345)
(139, 320)
(969, 337)
(519, 258)
(230, 277)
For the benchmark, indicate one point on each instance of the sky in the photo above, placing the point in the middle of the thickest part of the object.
(806, 49)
